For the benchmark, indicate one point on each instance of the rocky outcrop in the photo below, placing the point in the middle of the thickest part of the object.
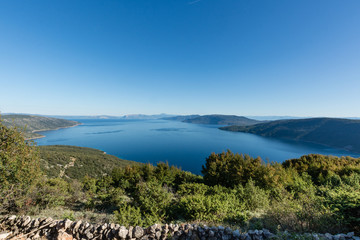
(24, 227)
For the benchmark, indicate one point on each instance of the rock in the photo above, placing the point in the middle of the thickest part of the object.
(151, 229)
(144, 237)
(228, 230)
(89, 235)
(138, 232)
(195, 237)
(35, 223)
(226, 237)
(350, 234)
(47, 220)
(356, 238)
(236, 233)
(315, 236)
(176, 228)
(67, 224)
(26, 221)
(76, 226)
(123, 232)
(63, 236)
(158, 235)
(328, 236)
(4, 235)
(52, 224)
(211, 233)
(130, 233)
(257, 236)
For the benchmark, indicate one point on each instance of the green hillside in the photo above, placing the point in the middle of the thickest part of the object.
(222, 120)
(334, 132)
(32, 124)
(77, 162)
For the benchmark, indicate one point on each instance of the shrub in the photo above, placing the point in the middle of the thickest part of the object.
(52, 193)
(216, 207)
(303, 214)
(252, 197)
(153, 199)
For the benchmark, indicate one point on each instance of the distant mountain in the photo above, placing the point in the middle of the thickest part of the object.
(85, 117)
(143, 116)
(272, 118)
(222, 120)
(77, 162)
(181, 117)
(32, 124)
(334, 132)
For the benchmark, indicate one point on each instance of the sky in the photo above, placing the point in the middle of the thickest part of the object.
(241, 57)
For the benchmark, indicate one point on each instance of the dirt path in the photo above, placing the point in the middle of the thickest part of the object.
(70, 164)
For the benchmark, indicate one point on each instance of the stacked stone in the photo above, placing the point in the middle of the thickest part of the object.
(24, 227)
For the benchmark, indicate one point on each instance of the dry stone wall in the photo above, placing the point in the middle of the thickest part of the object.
(24, 227)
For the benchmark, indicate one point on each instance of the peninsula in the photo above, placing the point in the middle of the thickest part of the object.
(333, 132)
(30, 124)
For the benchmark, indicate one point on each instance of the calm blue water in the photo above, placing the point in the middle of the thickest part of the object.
(184, 145)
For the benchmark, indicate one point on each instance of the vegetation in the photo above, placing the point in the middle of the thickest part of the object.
(222, 120)
(31, 124)
(19, 169)
(77, 162)
(334, 132)
(314, 193)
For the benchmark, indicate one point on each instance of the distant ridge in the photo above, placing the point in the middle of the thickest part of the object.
(144, 116)
(334, 132)
(218, 119)
(181, 117)
(32, 124)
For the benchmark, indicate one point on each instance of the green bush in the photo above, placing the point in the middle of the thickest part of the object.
(252, 197)
(153, 199)
(52, 193)
(344, 202)
(129, 216)
(214, 206)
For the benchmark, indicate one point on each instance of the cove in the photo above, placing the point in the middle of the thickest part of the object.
(184, 145)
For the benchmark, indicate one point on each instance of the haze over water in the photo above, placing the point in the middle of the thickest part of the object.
(185, 145)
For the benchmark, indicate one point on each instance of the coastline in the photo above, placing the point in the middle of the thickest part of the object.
(44, 130)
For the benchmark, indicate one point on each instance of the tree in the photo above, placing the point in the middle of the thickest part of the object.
(19, 169)
(229, 169)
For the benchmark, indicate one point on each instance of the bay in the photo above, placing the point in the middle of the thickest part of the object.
(181, 144)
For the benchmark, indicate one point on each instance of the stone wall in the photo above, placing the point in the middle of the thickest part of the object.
(24, 227)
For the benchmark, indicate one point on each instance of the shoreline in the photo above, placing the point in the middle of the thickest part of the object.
(45, 130)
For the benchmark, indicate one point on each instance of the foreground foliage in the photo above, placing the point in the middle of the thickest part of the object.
(313, 193)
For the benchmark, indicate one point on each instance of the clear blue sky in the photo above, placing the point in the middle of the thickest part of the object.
(243, 57)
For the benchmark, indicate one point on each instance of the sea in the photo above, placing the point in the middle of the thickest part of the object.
(184, 145)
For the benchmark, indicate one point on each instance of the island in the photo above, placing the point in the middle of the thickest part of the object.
(215, 119)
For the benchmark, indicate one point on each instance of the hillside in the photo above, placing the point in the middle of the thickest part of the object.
(181, 117)
(78, 162)
(334, 132)
(222, 120)
(33, 124)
